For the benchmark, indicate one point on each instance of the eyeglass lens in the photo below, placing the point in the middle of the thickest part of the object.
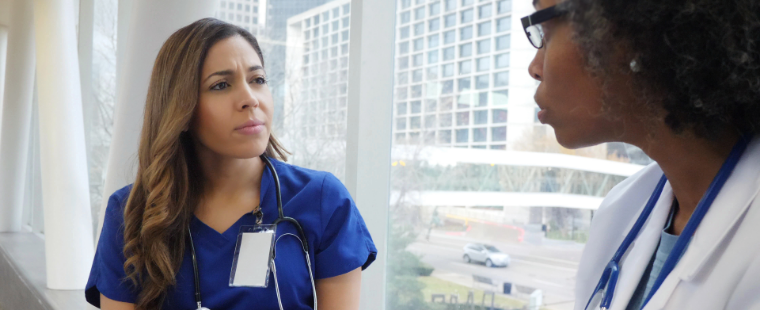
(536, 35)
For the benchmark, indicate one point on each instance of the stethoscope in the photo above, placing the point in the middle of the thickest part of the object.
(281, 218)
(612, 270)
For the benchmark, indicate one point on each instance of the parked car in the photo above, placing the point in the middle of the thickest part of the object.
(484, 253)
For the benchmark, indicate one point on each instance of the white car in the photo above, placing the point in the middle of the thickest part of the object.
(487, 254)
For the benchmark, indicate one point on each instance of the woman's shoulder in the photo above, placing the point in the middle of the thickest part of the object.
(117, 202)
(305, 177)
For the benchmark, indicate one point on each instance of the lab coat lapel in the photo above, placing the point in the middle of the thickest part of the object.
(729, 206)
(637, 258)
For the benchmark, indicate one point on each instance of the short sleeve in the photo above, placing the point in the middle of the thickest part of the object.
(345, 243)
(107, 275)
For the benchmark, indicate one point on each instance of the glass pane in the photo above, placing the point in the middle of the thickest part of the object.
(461, 117)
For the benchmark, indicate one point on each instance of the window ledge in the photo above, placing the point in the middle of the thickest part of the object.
(23, 279)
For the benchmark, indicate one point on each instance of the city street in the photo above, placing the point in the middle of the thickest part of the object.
(550, 267)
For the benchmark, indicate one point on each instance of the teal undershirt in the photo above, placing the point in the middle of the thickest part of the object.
(667, 242)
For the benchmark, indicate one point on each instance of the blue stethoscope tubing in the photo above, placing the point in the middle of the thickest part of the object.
(281, 218)
(612, 270)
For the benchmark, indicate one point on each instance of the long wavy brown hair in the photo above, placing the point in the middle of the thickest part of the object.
(168, 184)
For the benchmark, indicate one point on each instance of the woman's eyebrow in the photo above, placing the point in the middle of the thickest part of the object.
(229, 72)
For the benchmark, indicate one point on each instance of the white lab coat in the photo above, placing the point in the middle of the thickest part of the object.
(721, 266)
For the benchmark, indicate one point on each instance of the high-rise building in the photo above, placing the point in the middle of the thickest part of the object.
(317, 66)
(453, 73)
(248, 14)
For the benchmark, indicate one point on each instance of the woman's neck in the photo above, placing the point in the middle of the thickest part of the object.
(689, 163)
(228, 181)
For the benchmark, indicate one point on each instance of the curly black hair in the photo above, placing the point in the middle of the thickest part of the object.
(697, 59)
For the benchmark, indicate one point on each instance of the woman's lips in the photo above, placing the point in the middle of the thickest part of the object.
(251, 130)
(251, 127)
(542, 116)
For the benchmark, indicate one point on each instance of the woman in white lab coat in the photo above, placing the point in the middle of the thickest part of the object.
(680, 80)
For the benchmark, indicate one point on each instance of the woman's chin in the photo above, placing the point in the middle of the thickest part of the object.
(576, 140)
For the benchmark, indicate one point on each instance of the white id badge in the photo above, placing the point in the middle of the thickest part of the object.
(253, 254)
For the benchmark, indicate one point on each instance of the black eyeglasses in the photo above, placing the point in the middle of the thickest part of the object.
(532, 23)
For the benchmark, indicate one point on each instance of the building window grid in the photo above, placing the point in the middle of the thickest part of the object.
(495, 14)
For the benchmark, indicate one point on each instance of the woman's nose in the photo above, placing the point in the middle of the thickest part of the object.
(536, 68)
(248, 98)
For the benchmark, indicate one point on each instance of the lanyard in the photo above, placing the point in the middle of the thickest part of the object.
(611, 271)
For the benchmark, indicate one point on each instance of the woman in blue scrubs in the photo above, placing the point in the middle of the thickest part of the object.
(208, 118)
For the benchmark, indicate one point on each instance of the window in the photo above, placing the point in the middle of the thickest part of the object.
(500, 97)
(430, 122)
(499, 116)
(402, 78)
(465, 50)
(466, 16)
(484, 46)
(433, 57)
(345, 22)
(463, 118)
(434, 25)
(405, 18)
(484, 29)
(416, 91)
(344, 49)
(405, 4)
(450, 20)
(403, 48)
(404, 32)
(484, 64)
(224, 4)
(232, 6)
(344, 35)
(416, 107)
(414, 122)
(447, 87)
(432, 73)
(334, 39)
(419, 13)
(401, 108)
(435, 8)
(450, 5)
(417, 76)
(501, 61)
(240, 6)
(316, 19)
(466, 2)
(444, 136)
(419, 44)
(448, 53)
(419, 29)
(498, 134)
(401, 123)
(336, 12)
(479, 134)
(449, 37)
(501, 79)
(335, 25)
(448, 70)
(403, 63)
(462, 135)
(481, 99)
(481, 81)
(465, 67)
(503, 24)
(504, 6)
(465, 33)
(484, 11)
(346, 8)
(417, 60)
(502, 42)
(480, 117)
(464, 84)
(325, 16)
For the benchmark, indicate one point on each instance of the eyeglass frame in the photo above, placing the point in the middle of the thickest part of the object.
(542, 16)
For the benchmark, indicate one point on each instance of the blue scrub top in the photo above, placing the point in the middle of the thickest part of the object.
(338, 243)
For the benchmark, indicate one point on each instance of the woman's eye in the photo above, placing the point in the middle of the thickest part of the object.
(260, 80)
(220, 86)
